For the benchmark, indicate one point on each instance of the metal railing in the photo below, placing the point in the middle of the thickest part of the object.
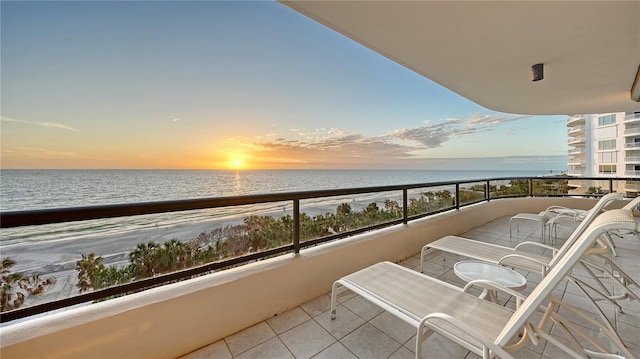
(15, 219)
(632, 130)
(576, 119)
(577, 139)
(632, 117)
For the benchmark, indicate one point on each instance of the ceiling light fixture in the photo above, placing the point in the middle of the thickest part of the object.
(537, 72)
(635, 88)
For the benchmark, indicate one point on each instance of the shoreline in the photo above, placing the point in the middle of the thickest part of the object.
(58, 259)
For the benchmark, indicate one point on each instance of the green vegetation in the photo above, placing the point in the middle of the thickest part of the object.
(16, 287)
(595, 190)
(260, 233)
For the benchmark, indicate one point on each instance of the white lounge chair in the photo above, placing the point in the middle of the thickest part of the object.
(517, 256)
(482, 326)
(600, 268)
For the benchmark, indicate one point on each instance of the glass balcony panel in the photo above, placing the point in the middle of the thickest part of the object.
(327, 216)
(472, 192)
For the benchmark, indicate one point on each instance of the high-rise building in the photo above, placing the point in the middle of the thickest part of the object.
(604, 145)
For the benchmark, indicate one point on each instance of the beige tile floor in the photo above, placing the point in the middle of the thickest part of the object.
(363, 330)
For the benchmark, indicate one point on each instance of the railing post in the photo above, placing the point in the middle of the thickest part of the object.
(530, 187)
(458, 196)
(610, 186)
(405, 210)
(296, 226)
(487, 191)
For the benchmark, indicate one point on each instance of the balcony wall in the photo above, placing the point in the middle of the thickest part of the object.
(173, 320)
(576, 120)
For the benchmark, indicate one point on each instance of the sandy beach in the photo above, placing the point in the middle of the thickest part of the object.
(58, 258)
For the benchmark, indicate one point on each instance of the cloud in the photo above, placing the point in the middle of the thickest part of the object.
(55, 125)
(435, 135)
(331, 144)
(176, 119)
(37, 152)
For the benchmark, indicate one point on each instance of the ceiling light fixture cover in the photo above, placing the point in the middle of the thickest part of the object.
(537, 72)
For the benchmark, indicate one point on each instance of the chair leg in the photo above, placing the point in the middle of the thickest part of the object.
(334, 297)
(610, 243)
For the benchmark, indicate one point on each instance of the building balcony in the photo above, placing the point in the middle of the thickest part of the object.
(575, 140)
(632, 159)
(576, 120)
(576, 151)
(631, 131)
(278, 307)
(575, 172)
(632, 145)
(632, 186)
(634, 117)
(632, 173)
(575, 130)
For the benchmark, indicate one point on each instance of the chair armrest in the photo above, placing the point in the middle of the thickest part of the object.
(555, 207)
(503, 262)
(536, 244)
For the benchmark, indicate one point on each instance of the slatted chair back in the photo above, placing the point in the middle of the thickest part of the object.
(586, 221)
(617, 219)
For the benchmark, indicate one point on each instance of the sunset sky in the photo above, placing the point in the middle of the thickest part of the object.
(213, 84)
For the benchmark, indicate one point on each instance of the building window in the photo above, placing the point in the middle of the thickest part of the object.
(607, 120)
(608, 157)
(607, 145)
(607, 169)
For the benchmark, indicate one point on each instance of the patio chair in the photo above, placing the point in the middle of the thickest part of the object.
(598, 266)
(517, 256)
(555, 216)
(559, 216)
(482, 326)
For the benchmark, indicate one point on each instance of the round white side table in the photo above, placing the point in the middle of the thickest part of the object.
(473, 270)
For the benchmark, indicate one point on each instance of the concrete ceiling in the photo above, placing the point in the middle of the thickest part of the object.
(484, 50)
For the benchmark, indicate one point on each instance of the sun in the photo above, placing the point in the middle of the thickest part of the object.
(236, 161)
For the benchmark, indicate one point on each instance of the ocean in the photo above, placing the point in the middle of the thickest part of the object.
(42, 189)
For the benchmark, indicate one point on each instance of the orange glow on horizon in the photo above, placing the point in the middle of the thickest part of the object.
(235, 161)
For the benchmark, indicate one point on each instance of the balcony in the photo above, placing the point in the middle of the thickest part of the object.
(634, 117)
(632, 186)
(576, 151)
(632, 159)
(575, 140)
(632, 145)
(574, 130)
(576, 120)
(277, 307)
(576, 161)
(631, 131)
(576, 172)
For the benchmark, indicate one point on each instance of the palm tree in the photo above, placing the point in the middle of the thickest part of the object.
(12, 297)
(144, 258)
(173, 255)
(9, 281)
